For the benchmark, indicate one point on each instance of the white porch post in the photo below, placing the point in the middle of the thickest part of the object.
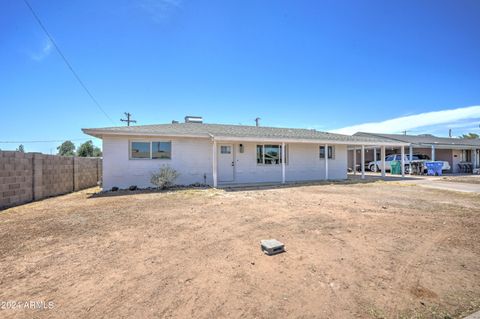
(363, 161)
(382, 154)
(375, 159)
(402, 162)
(214, 163)
(283, 162)
(410, 153)
(433, 153)
(326, 161)
(354, 161)
(474, 158)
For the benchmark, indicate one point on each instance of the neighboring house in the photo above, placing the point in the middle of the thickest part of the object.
(216, 154)
(453, 150)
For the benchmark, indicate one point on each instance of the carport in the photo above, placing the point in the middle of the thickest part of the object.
(364, 149)
(457, 151)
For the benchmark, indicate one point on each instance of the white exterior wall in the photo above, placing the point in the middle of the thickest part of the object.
(304, 163)
(192, 158)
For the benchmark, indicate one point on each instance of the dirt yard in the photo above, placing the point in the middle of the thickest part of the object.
(472, 179)
(374, 250)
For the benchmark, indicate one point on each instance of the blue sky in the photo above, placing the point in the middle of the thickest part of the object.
(327, 65)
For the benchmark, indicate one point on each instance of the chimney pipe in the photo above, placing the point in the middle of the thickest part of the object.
(450, 133)
(257, 122)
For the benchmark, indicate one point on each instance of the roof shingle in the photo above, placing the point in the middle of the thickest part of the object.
(232, 131)
(423, 139)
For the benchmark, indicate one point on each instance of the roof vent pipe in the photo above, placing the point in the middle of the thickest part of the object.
(257, 122)
(193, 119)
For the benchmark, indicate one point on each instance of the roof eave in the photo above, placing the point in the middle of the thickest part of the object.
(313, 140)
(104, 133)
(101, 134)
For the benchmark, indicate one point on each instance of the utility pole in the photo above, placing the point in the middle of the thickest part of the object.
(128, 120)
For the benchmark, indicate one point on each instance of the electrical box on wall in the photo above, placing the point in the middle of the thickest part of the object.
(241, 148)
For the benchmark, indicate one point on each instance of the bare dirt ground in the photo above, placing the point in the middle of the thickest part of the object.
(471, 179)
(372, 250)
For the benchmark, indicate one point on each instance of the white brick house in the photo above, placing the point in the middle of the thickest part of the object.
(217, 154)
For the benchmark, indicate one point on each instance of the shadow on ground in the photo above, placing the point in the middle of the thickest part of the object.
(351, 180)
(126, 192)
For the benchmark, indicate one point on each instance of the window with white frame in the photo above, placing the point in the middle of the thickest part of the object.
(270, 154)
(331, 152)
(225, 149)
(150, 150)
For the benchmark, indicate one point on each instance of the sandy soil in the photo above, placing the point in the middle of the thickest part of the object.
(366, 250)
(473, 179)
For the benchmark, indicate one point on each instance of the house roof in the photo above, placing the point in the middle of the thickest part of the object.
(424, 139)
(237, 132)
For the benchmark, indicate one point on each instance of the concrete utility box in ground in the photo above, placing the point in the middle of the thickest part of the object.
(272, 246)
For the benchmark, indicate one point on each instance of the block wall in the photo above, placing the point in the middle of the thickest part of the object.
(25, 177)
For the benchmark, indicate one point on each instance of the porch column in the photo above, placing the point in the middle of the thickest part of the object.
(474, 158)
(214, 163)
(326, 161)
(410, 153)
(402, 162)
(375, 159)
(433, 153)
(382, 154)
(354, 161)
(283, 162)
(363, 161)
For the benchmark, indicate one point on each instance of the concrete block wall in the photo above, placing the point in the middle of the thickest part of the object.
(57, 174)
(88, 172)
(16, 178)
(25, 177)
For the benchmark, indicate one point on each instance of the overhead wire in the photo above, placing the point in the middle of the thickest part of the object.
(64, 58)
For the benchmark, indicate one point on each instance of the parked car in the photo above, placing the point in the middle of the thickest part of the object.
(398, 157)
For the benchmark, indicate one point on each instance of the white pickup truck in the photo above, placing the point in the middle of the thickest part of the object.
(398, 157)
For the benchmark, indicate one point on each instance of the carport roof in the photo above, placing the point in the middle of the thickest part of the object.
(424, 139)
(238, 132)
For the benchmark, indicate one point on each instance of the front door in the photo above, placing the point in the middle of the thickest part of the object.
(225, 163)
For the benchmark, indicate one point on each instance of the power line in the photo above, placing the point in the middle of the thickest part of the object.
(47, 141)
(128, 120)
(66, 61)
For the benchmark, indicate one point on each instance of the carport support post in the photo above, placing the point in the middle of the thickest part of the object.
(382, 154)
(474, 158)
(283, 162)
(214, 163)
(354, 161)
(410, 153)
(403, 160)
(375, 159)
(433, 153)
(363, 161)
(326, 161)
